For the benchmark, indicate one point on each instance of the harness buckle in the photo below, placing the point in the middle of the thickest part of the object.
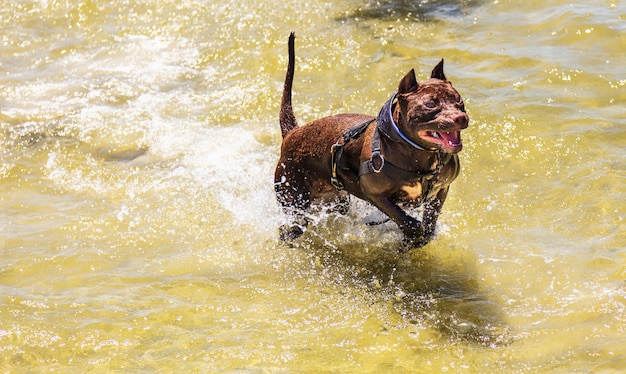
(336, 183)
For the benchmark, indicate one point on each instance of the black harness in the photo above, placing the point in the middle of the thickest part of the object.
(386, 126)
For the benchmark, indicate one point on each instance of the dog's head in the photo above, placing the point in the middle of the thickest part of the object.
(432, 112)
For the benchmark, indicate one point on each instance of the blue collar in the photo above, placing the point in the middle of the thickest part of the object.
(388, 126)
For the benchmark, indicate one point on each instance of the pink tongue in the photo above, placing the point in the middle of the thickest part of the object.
(451, 138)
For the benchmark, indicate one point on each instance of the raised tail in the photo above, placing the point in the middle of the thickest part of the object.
(287, 118)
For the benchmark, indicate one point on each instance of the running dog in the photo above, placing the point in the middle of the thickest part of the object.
(406, 157)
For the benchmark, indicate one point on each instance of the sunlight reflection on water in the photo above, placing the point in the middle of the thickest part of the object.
(138, 212)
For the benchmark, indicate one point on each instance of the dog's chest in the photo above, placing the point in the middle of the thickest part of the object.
(412, 191)
(418, 192)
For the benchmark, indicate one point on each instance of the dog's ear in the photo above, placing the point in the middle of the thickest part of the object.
(438, 72)
(408, 83)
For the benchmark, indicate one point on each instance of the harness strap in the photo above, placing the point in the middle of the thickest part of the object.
(427, 179)
(376, 163)
(337, 149)
(370, 166)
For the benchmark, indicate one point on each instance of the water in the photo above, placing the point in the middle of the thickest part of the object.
(139, 226)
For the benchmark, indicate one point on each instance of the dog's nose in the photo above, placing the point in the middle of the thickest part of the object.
(461, 119)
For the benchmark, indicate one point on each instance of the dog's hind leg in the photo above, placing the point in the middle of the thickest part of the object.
(295, 200)
(293, 230)
(297, 223)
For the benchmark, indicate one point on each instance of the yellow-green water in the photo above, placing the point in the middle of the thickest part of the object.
(138, 220)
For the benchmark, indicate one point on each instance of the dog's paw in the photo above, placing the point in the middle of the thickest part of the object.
(290, 233)
(411, 242)
(340, 204)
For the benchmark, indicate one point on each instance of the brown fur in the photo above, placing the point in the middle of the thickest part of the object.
(430, 113)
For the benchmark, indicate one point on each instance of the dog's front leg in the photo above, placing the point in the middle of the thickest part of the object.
(416, 234)
(432, 209)
(411, 228)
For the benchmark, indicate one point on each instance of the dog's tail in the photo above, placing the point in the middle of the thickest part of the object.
(287, 118)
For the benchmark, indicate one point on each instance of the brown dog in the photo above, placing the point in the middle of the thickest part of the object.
(404, 157)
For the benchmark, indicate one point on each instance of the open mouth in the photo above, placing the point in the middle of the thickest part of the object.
(447, 140)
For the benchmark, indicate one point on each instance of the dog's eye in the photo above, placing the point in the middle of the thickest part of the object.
(430, 103)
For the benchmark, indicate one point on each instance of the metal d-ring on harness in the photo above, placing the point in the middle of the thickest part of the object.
(384, 125)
